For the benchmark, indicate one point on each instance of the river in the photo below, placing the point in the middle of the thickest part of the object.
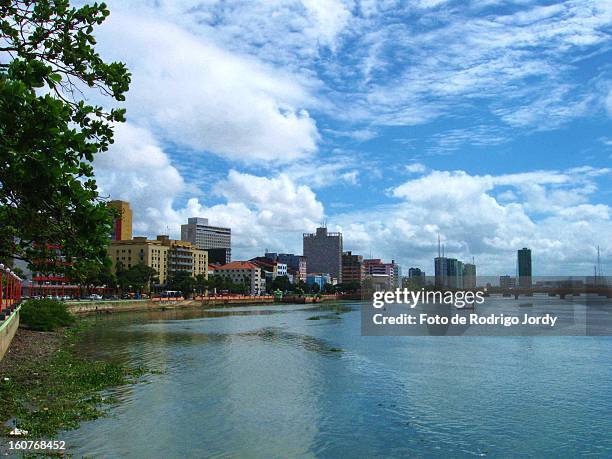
(268, 382)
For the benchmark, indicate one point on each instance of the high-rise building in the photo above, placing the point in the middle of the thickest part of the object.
(205, 237)
(524, 267)
(454, 273)
(417, 277)
(122, 225)
(469, 275)
(323, 252)
(507, 282)
(397, 274)
(441, 271)
(353, 268)
(219, 255)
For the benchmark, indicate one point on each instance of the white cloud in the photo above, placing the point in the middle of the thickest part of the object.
(262, 212)
(545, 210)
(278, 200)
(196, 94)
(287, 32)
(318, 174)
(429, 3)
(330, 17)
(549, 211)
(415, 168)
(135, 168)
(244, 80)
(452, 60)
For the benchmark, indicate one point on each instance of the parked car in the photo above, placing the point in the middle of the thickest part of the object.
(95, 297)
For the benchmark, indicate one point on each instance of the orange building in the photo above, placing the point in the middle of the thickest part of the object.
(122, 230)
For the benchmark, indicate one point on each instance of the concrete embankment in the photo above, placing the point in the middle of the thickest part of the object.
(94, 307)
(8, 328)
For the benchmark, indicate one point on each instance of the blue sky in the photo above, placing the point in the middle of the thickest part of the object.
(488, 122)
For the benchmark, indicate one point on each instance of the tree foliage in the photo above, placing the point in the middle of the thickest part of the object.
(223, 282)
(137, 278)
(281, 283)
(49, 133)
(181, 281)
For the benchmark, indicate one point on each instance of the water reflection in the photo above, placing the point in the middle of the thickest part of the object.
(271, 383)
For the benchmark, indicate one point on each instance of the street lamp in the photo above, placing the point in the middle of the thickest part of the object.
(9, 286)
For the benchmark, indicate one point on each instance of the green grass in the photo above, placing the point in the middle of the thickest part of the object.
(47, 396)
(45, 315)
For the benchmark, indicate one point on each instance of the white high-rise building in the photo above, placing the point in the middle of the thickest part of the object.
(217, 240)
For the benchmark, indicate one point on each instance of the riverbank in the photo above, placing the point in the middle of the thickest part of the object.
(8, 328)
(45, 387)
(110, 307)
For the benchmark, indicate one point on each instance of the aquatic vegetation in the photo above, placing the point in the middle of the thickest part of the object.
(47, 392)
(279, 336)
(335, 307)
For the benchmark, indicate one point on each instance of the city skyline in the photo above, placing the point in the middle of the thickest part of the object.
(465, 273)
(488, 123)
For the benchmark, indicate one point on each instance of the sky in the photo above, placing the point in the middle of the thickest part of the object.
(488, 122)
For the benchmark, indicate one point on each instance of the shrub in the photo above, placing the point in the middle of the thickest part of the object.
(45, 315)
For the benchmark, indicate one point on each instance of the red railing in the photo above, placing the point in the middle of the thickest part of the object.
(10, 289)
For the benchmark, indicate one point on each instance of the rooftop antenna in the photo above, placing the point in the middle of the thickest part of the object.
(443, 255)
(438, 245)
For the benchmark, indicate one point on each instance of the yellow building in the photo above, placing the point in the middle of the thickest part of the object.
(165, 255)
(122, 230)
(183, 256)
